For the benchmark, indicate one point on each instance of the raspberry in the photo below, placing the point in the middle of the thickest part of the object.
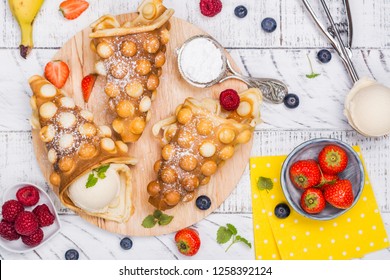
(210, 8)
(44, 216)
(7, 231)
(11, 210)
(229, 99)
(33, 239)
(26, 223)
(28, 195)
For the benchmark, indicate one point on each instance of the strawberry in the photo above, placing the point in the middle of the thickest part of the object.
(313, 201)
(187, 241)
(305, 174)
(327, 179)
(57, 72)
(333, 159)
(340, 194)
(72, 9)
(87, 85)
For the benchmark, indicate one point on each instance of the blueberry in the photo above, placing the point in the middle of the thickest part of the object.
(324, 56)
(72, 254)
(240, 11)
(282, 211)
(291, 101)
(269, 25)
(126, 243)
(203, 202)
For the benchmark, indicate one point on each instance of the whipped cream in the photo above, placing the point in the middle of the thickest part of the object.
(367, 108)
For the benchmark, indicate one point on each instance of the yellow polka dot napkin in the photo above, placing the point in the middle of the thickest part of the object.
(352, 235)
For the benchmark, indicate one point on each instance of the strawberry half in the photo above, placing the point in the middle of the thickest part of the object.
(313, 201)
(87, 85)
(305, 174)
(333, 159)
(72, 9)
(57, 72)
(340, 194)
(187, 241)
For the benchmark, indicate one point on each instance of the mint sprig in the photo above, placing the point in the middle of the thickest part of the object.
(264, 183)
(157, 217)
(224, 234)
(96, 174)
(312, 75)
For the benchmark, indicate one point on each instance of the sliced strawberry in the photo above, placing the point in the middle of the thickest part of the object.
(72, 9)
(87, 85)
(57, 72)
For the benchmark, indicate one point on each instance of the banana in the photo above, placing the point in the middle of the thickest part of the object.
(25, 11)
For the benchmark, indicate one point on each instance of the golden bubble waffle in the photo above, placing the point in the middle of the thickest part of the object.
(74, 143)
(131, 56)
(196, 141)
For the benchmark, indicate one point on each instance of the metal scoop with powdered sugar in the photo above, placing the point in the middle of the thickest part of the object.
(273, 90)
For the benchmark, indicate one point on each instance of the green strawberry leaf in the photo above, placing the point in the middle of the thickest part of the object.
(223, 235)
(92, 180)
(157, 214)
(312, 75)
(149, 222)
(265, 184)
(243, 240)
(232, 228)
(164, 219)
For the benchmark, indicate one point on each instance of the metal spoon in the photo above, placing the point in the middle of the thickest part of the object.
(273, 90)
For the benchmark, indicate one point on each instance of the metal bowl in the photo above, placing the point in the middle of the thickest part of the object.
(310, 150)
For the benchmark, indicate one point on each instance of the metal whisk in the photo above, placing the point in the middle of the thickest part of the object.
(333, 33)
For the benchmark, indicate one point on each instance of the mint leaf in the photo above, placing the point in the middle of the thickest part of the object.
(157, 214)
(312, 75)
(243, 240)
(164, 219)
(223, 235)
(101, 171)
(232, 228)
(265, 184)
(149, 222)
(92, 180)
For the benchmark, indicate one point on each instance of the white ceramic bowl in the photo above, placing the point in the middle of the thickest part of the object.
(310, 150)
(17, 246)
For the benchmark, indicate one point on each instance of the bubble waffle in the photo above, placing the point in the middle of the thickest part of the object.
(75, 145)
(131, 57)
(196, 141)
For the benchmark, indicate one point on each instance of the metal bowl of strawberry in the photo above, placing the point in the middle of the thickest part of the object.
(322, 178)
(28, 218)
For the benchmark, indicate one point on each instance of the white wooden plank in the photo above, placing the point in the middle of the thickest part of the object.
(295, 28)
(96, 244)
(321, 98)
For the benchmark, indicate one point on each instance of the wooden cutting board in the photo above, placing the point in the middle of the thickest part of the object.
(171, 92)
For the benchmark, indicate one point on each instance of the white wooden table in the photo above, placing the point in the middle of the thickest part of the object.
(280, 55)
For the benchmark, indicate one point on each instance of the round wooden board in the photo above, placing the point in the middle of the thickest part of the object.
(171, 92)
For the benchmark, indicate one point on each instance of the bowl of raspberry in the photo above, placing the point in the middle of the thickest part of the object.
(322, 178)
(28, 218)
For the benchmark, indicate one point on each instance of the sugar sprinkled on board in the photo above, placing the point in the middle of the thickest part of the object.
(201, 61)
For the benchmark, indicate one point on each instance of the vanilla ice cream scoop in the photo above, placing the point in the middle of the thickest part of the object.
(105, 195)
(367, 108)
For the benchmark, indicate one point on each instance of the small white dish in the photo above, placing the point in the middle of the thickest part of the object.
(17, 246)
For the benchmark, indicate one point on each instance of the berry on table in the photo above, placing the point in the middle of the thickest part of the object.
(210, 8)
(324, 56)
(187, 241)
(71, 254)
(203, 202)
(241, 11)
(11, 209)
(282, 211)
(291, 101)
(269, 25)
(126, 243)
(229, 99)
